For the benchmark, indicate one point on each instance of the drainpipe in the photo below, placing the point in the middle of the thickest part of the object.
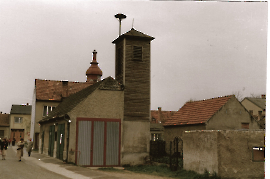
(66, 118)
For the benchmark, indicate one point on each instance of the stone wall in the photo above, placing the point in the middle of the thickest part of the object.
(229, 153)
(235, 150)
(200, 151)
(135, 142)
(170, 132)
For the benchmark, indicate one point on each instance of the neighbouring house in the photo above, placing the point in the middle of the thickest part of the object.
(256, 107)
(4, 125)
(50, 93)
(221, 113)
(20, 122)
(107, 123)
(228, 153)
(158, 117)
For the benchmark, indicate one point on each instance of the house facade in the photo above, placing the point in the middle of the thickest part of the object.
(20, 122)
(256, 107)
(85, 122)
(107, 123)
(48, 94)
(4, 125)
(222, 113)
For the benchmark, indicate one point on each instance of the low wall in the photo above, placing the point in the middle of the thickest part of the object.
(229, 153)
(200, 151)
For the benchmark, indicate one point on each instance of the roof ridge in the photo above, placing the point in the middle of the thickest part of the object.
(61, 80)
(197, 112)
(210, 98)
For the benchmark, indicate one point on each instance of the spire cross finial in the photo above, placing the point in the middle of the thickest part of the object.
(94, 55)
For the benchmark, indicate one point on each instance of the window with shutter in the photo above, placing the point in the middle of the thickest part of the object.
(137, 53)
(47, 110)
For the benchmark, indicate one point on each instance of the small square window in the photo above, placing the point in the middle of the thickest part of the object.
(258, 154)
(18, 119)
(245, 125)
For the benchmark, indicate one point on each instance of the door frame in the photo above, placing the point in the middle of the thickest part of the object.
(105, 120)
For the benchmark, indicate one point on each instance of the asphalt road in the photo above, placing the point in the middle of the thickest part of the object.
(13, 169)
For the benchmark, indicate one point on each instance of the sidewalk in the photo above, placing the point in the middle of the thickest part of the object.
(57, 166)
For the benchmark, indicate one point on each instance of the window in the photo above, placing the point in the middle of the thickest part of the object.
(258, 154)
(137, 53)
(155, 137)
(245, 125)
(47, 110)
(18, 119)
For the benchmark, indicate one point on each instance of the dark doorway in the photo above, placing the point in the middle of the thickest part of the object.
(60, 141)
(36, 140)
(51, 140)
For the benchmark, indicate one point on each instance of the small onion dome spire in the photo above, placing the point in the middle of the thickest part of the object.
(94, 73)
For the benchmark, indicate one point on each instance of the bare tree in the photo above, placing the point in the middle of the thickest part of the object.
(238, 95)
(254, 96)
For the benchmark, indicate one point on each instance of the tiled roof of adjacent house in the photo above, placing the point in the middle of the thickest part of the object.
(165, 115)
(21, 109)
(260, 102)
(197, 112)
(53, 90)
(73, 100)
(134, 34)
(4, 120)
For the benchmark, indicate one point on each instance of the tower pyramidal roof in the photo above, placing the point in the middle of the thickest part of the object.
(132, 33)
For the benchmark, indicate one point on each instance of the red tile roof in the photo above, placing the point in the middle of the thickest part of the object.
(4, 120)
(165, 115)
(197, 112)
(53, 90)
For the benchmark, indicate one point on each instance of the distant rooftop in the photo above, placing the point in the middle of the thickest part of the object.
(4, 120)
(197, 112)
(260, 102)
(21, 109)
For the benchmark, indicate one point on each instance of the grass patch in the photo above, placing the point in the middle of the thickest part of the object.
(164, 171)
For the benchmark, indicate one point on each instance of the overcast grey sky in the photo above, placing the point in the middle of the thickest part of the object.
(201, 49)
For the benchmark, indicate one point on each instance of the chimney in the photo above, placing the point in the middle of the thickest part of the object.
(159, 115)
(263, 96)
(251, 112)
(64, 89)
